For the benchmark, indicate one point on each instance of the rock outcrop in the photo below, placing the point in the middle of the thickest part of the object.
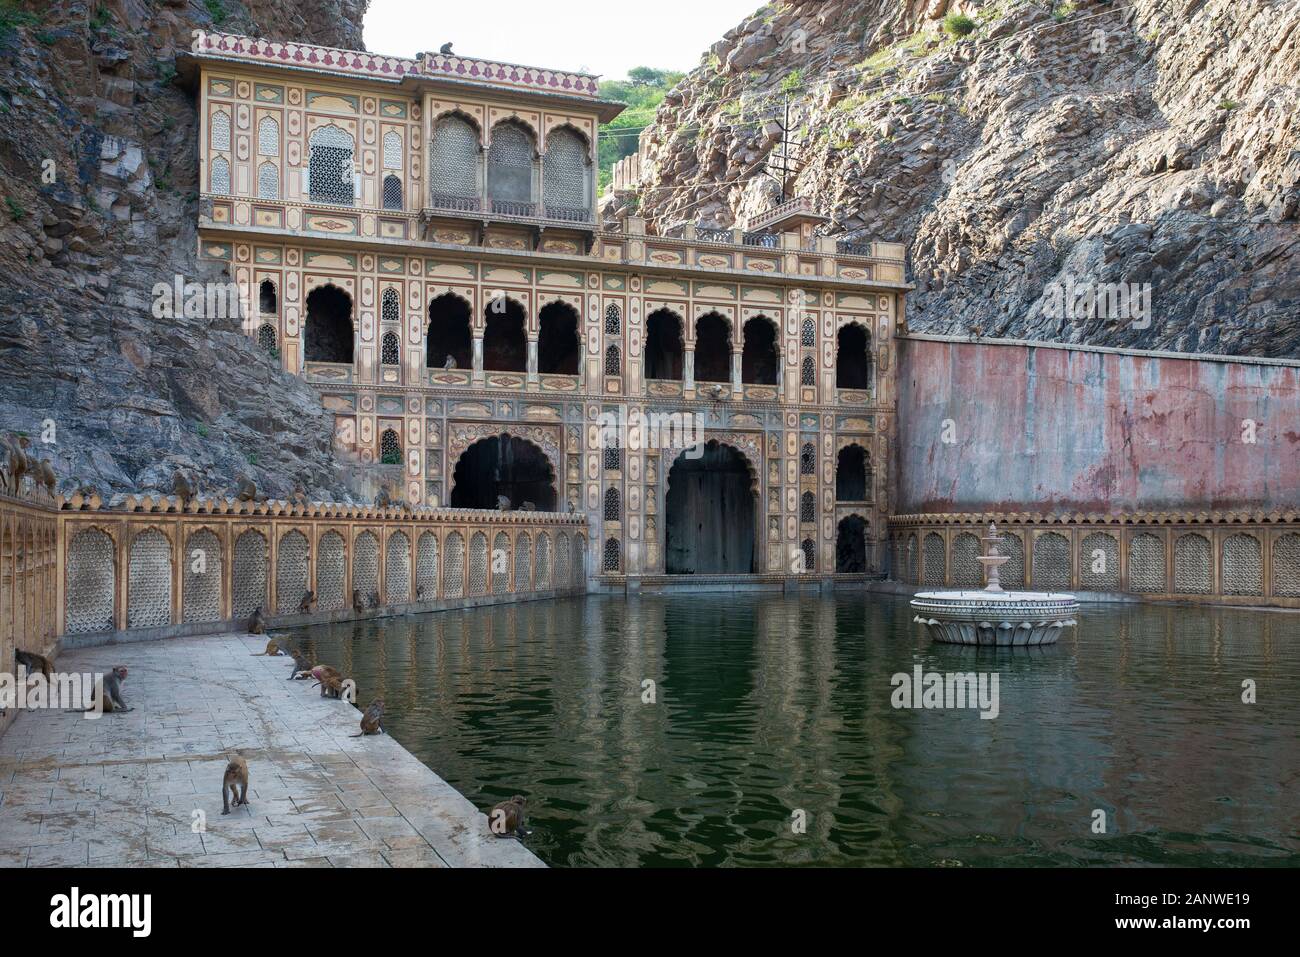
(98, 204)
(1150, 143)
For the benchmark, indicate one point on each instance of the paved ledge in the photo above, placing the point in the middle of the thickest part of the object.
(124, 789)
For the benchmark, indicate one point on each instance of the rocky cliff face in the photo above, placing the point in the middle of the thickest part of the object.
(1151, 143)
(84, 239)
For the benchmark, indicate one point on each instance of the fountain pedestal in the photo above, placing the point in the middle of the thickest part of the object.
(994, 616)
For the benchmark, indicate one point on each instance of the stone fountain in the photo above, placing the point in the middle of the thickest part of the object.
(995, 616)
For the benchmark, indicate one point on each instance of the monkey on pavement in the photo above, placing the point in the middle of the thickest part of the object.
(33, 662)
(272, 651)
(110, 699)
(372, 719)
(256, 623)
(236, 774)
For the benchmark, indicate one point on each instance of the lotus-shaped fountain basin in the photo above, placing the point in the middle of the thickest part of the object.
(995, 617)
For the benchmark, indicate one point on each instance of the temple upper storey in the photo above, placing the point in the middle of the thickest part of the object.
(451, 152)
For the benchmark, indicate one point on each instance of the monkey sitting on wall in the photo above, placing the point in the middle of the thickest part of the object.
(182, 488)
(372, 718)
(304, 606)
(374, 599)
(358, 604)
(256, 623)
(503, 503)
(33, 662)
(507, 818)
(236, 774)
(528, 507)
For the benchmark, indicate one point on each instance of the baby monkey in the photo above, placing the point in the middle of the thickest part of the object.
(372, 718)
(236, 774)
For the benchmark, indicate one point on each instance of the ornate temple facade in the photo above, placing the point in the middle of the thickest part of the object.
(418, 238)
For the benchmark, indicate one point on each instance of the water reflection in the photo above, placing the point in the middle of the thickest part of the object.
(765, 705)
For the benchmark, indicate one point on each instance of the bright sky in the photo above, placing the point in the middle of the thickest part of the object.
(597, 36)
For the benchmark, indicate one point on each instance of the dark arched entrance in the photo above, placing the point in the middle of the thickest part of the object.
(505, 345)
(710, 514)
(853, 358)
(449, 333)
(503, 465)
(851, 474)
(712, 349)
(328, 333)
(851, 545)
(758, 361)
(557, 340)
(663, 348)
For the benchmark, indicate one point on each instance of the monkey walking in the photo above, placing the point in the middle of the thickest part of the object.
(372, 719)
(33, 662)
(507, 818)
(111, 697)
(272, 651)
(330, 680)
(256, 623)
(236, 774)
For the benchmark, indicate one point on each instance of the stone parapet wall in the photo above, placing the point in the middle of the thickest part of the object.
(28, 582)
(1229, 558)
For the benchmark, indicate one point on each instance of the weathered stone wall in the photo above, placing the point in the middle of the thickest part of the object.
(1027, 427)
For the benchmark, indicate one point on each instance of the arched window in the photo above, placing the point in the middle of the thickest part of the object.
(454, 158)
(612, 505)
(557, 339)
(268, 137)
(808, 336)
(221, 130)
(613, 454)
(712, 349)
(329, 167)
(448, 336)
(390, 309)
(392, 191)
(390, 351)
(852, 474)
(613, 560)
(808, 373)
(853, 358)
(758, 362)
(809, 555)
(392, 150)
(565, 176)
(268, 181)
(266, 336)
(505, 345)
(328, 331)
(390, 448)
(613, 361)
(808, 507)
(266, 298)
(808, 459)
(220, 176)
(510, 170)
(613, 320)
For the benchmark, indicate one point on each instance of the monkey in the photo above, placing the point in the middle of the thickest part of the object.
(309, 599)
(111, 697)
(572, 508)
(246, 489)
(383, 499)
(256, 623)
(507, 818)
(236, 774)
(272, 651)
(374, 599)
(87, 490)
(330, 679)
(45, 476)
(371, 720)
(33, 662)
(445, 50)
(299, 494)
(420, 593)
(528, 507)
(450, 363)
(358, 605)
(503, 503)
(182, 488)
(301, 667)
(18, 462)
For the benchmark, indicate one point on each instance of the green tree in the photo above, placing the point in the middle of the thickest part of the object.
(642, 91)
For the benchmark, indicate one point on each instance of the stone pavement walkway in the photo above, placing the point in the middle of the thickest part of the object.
(124, 789)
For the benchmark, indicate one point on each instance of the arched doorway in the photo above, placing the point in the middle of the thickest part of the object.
(758, 360)
(557, 339)
(505, 345)
(663, 348)
(851, 545)
(449, 333)
(712, 349)
(503, 465)
(328, 336)
(853, 358)
(710, 514)
(852, 475)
